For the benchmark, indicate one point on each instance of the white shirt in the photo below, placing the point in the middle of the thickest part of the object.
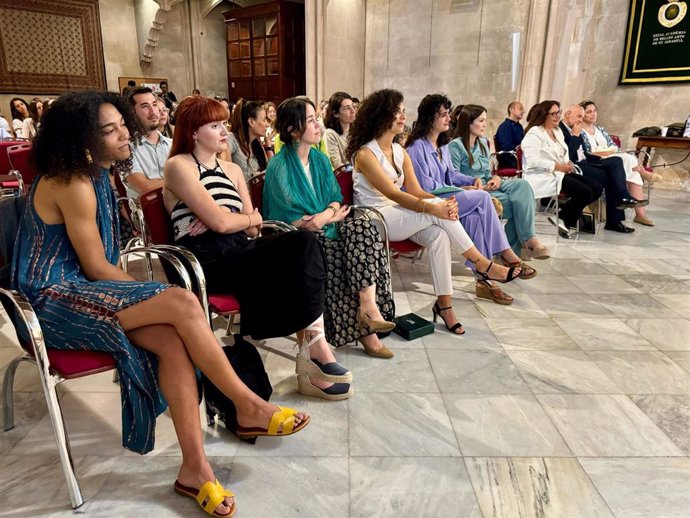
(365, 193)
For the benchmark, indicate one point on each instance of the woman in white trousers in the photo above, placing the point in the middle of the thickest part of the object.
(384, 178)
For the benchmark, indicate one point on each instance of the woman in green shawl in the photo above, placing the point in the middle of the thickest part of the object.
(301, 189)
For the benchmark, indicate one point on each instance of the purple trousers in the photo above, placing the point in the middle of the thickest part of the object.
(478, 216)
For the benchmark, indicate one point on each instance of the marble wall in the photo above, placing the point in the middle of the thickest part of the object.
(344, 49)
(433, 46)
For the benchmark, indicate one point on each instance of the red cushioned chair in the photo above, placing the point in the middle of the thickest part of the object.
(21, 165)
(406, 247)
(506, 172)
(9, 182)
(54, 367)
(158, 232)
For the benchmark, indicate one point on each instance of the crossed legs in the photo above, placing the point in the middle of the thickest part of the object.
(173, 326)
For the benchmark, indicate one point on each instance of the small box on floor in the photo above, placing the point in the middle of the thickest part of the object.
(412, 326)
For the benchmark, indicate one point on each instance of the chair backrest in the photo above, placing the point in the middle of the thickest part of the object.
(616, 140)
(344, 179)
(256, 190)
(120, 186)
(4, 161)
(518, 151)
(19, 159)
(156, 218)
(496, 147)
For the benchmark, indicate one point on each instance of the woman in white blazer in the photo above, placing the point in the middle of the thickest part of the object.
(548, 169)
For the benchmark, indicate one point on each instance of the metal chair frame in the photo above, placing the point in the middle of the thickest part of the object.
(50, 379)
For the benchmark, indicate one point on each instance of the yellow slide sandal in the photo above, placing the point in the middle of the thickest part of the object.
(209, 496)
(284, 417)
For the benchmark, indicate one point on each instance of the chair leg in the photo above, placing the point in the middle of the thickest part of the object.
(8, 391)
(62, 441)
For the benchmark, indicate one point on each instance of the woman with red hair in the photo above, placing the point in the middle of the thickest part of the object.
(279, 280)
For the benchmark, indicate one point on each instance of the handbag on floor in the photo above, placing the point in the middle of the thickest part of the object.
(246, 361)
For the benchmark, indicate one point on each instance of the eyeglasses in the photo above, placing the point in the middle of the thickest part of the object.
(556, 114)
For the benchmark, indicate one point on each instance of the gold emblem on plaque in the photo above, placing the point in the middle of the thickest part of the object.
(672, 13)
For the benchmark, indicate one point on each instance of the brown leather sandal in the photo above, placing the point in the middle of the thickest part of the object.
(526, 271)
(485, 290)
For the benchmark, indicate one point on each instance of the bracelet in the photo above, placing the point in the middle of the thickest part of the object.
(250, 221)
(335, 211)
(423, 205)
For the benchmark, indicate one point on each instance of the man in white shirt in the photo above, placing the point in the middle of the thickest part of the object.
(152, 150)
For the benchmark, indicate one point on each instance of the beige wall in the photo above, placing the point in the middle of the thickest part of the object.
(429, 46)
(214, 70)
(344, 37)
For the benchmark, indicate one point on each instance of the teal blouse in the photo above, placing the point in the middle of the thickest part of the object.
(481, 167)
(288, 195)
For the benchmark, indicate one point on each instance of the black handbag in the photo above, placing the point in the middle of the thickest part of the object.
(246, 361)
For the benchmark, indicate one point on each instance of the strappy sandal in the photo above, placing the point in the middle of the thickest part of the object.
(436, 310)
(331, 372)
(526, 271)
(484, 290)
(484, 276)
(284, 418)
(209, 496)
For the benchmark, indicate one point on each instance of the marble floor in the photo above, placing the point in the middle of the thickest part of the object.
(572, 402)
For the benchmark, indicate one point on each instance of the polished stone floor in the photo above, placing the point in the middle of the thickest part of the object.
(572, 402)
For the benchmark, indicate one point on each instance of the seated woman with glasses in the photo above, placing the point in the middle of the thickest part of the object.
(301, 189)
(436, 174)
(469, 153)
(66, 265)
(279, 279)
(384, 178)
(549, 169)
(340, 114)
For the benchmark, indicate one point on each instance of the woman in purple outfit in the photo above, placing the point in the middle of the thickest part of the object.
(436, 174)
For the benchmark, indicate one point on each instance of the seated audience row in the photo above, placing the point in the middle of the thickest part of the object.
(328, 280)
(66, 262)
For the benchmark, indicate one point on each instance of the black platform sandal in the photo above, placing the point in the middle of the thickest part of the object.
(484, 276)
(436, 310)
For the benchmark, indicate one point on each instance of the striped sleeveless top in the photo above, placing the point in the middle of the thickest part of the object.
(221, 189)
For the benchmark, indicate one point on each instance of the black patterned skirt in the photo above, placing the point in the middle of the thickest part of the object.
(354, 262)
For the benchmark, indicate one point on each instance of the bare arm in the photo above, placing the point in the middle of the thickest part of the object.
(366, 164)
(182, 180)
(141, 184)
(77, 204)
(234, 173)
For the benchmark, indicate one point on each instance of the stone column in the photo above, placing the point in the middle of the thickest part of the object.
(314, 23)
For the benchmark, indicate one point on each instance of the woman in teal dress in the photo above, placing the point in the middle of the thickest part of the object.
(65, 263)
(301, 189)
(515, 194)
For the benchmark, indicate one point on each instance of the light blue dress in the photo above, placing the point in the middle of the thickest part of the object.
(78, 314)
(515, 194)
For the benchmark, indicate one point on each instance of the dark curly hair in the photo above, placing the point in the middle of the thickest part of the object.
(291, 116)
(426, 113)
(70, 128)
(333, 108)
(539, 113)
(375, 115)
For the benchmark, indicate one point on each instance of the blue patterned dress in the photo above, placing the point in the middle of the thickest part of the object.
(76, 313)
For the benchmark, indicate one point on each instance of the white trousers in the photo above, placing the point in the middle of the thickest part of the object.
(435, 234)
